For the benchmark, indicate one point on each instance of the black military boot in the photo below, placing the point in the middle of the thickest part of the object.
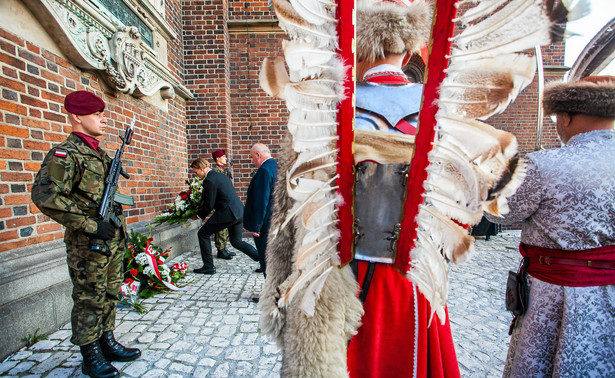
(224, 254)
(114, 351)
(94, 363)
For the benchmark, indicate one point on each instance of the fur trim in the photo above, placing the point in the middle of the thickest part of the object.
(587, 96)
(389, 28)
(384, 148)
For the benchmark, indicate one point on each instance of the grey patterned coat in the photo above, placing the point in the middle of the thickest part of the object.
(567, 202)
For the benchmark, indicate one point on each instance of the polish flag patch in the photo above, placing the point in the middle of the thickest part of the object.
(59, 153)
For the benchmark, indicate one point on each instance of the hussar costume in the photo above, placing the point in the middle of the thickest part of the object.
(393, 204)
(568, 239)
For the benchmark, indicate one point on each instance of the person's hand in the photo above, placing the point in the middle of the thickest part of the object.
(256, 234)
(104, 230)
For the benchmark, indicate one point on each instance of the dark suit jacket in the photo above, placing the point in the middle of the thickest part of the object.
(220, 195)
(260, 198)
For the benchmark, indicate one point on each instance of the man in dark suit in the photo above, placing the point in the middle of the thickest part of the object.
(219, 195)
(260, 199)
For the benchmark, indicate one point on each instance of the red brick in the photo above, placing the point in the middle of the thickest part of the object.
(27, 55)
(12, 61)
(48, 227)
(31, 101)
(40, 146)
(31, 166)
(16, 177)
(20, 132)
(54, 117)
(8, 235)
(36, 124)
(32, 80)
(11, 37)
(20, 222)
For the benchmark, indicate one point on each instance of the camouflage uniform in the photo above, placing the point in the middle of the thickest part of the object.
(221, 238)
(69, 188)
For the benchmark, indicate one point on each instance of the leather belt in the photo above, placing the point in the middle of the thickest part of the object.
(598, 264)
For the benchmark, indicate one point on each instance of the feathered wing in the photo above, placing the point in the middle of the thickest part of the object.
(473, 167)
(308, 303)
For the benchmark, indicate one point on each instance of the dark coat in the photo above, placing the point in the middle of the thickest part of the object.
(260, 198)
(220, 195)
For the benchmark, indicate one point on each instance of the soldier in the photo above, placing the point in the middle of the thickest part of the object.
(221, 238)
(69, 188)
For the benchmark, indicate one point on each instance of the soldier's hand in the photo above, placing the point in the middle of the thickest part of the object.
(104, 230)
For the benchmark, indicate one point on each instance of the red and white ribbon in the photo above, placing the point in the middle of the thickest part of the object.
(151, 259)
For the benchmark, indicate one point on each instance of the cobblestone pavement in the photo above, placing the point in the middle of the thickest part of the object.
(212, 329)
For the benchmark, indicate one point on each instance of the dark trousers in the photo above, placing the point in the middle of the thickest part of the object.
(235, 228)
(261, 246)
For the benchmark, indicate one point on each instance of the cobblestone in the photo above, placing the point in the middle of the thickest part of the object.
(212, 329)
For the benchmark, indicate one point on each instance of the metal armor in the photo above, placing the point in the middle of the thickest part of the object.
(379, 197)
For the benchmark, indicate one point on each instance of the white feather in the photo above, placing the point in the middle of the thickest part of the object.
(430, 273)
(312, 293)
(446, 234)
(300, 53)
(304, 276)
(577, 9)
(476, 139)
(311, 94)
(484, 8)
(313, 11)
(514, 8)
(502, 34)
(296, 26)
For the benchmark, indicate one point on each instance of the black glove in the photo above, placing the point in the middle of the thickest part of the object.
(104, 230)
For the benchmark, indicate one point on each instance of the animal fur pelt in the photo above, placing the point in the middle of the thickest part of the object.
(314, 343)
(388, 28)
(385, 148)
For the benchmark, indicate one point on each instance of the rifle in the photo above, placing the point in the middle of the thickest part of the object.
(110, 195)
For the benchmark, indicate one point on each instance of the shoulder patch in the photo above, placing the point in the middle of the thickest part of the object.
(60, 153)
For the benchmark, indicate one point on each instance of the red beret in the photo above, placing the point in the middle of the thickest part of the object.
(83, 103)
(218, 153)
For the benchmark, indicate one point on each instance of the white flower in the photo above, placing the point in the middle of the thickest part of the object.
(148, 271)
(141, 258)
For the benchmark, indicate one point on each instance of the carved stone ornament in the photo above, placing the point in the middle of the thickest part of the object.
(93, 41)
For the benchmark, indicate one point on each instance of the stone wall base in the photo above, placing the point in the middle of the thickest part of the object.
(35, 289)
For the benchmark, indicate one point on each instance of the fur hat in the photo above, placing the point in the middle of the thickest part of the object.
(593, 95)
(387, 28)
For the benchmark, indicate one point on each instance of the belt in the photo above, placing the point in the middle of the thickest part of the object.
(598, 264)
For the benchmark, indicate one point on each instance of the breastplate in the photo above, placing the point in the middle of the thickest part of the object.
(380, 191)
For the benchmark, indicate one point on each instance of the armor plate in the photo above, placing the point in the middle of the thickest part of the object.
(379, 197)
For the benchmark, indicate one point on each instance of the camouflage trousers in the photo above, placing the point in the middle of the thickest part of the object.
(96, 287)
(221, 239)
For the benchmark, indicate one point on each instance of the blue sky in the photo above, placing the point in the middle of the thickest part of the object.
(602, 12)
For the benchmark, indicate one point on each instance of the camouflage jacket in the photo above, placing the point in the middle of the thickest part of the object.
(219, 169)
(70, 185)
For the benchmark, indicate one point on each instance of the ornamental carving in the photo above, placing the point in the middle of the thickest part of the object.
(127, 59)
(93, 41)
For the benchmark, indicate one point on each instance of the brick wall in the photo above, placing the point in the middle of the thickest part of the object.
(32, 119)
(256, 117)
(218, 53)
(206, 65)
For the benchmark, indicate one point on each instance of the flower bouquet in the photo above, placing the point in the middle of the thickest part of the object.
(186, 204)
(144, 263)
